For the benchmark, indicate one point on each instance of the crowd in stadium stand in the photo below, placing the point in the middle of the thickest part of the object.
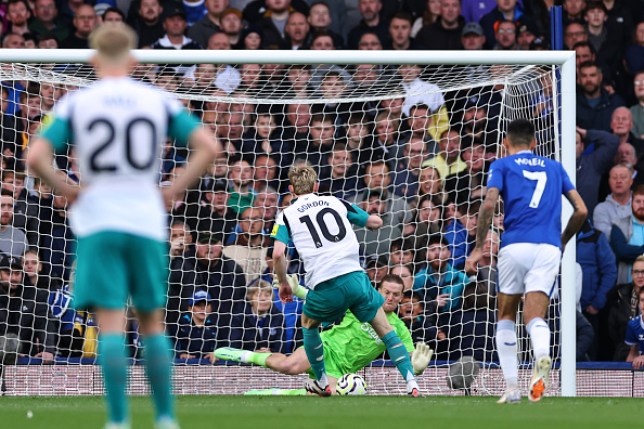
(389, 157)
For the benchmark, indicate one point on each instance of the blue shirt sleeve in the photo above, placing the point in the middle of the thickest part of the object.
(567, 185)
(495, 175)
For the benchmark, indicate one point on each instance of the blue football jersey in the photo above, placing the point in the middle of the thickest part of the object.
(531, 187)
(635, 333)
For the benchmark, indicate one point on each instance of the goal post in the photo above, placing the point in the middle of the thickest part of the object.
(447, 70)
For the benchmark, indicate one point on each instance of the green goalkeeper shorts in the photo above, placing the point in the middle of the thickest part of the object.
(331, 299)
(112, 266)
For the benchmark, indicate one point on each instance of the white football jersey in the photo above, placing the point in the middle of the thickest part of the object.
(321, 231)
(117, 128)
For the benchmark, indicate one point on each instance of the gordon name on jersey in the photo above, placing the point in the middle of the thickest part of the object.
(320, 228)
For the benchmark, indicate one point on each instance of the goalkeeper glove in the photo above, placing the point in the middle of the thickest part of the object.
(420, 357)
(294, 282)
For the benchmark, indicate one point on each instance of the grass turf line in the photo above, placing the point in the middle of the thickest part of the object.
(239, 412)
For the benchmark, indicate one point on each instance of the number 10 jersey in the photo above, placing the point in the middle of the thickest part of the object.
(117, 129)
(320, 228)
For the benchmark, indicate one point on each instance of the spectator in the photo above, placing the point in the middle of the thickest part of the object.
(460, 232)
(340, 177)
(203, 29)
(13, 41)
(46, 22)
(267, 202)
(273, 22)
(76, 330)
(584, 52)
(251, 39)
(195, 10)
(505, 10)
(182, 266)
(320, 142)
(621, 123)
(18, 15)
(36, 274)
(468, 185)
(427, 220)
(420, 120)
(247, 248)
(634, 337)
(412, 312)
(623, 307)
(472, 37)
(388, 140)
(400, 33)
(573, 11)
(437, 280)
(320, 20)
(24, 313)
(266, 174)
(369, 41)
(637, 110)
(174, 24)
(112, 14)
(527, 33)
(297, 31)
(401, 253)
(377, 176)
(627, 237)
(607, 40)
(220, 276)
(256, 323)
(197, 334)
(471, 329)
(591, 166)
(212, 213)
(446, 32)
(635, 52)
(371, 22)
(232, 26)
(574, 33)
(264, 139)
(13, 241)
(85, 21)
(474, 10)
(407, 171)
(448, 161)
(322, 41)
(505, 35)
(377, 242)
(376, 268)
(148, 22)
(594, 105)
(418, 91)
(599, 268)
(56, 240)
(430, 183)
(618, 203)
(242, 193)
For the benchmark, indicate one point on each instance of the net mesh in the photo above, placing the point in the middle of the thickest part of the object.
(410, 143)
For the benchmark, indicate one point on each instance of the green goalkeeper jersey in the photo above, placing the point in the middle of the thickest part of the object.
(352, 345)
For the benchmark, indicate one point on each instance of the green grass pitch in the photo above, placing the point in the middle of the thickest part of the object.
(267, 412)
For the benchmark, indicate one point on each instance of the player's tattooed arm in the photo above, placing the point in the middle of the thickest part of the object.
(577, 218)
(486, 212)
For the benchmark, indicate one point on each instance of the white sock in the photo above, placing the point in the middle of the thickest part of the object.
(506, 346)
(539, 337)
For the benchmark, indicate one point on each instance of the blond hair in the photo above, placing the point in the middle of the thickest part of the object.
(113, 42)
(640, 258)
(253, 289)
(303, 178)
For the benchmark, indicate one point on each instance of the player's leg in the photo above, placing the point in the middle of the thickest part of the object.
(514, 263)
(148, 286)
(540, 282)
(101, 284)
(396, 349)
(293, 364)
(112, 356)
(506, 345)
(315, 352)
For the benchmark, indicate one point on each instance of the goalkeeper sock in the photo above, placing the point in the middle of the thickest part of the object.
(399, 355)
(158, 368)
(315, 353)
(539, 337)
(114, 365)
(506, 345)
(258, 358)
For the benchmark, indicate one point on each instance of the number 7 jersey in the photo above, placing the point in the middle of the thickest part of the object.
(320, 228)
(531, 187)
(117, 129)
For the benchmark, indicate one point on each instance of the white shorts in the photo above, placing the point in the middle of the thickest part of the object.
(528, 267)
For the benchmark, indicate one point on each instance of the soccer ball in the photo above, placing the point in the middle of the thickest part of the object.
(351, 384)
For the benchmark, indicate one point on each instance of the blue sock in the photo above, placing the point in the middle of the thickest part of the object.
(158, 368)
(114, 365)
(314, 351)
(399, 355)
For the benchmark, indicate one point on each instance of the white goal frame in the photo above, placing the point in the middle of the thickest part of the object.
(566, 121)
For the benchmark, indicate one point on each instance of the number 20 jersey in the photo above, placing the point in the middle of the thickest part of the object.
(320, 228)
(117, 129)
(531, 187)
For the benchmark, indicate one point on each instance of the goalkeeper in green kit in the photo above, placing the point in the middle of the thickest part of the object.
(348, 346)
